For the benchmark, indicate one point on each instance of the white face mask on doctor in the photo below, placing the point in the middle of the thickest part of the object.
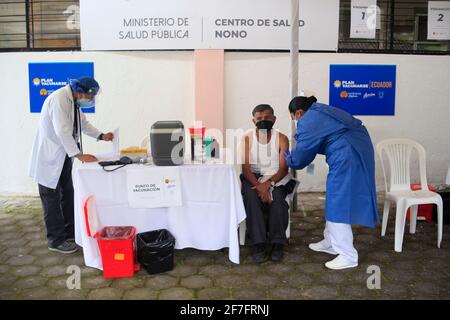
(86, 103)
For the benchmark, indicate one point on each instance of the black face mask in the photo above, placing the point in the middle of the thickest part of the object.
(264, 125)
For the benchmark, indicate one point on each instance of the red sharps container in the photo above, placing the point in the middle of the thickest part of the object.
(116, 244)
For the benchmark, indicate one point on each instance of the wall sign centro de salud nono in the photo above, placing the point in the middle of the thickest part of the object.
(363, 89)
(206, 24)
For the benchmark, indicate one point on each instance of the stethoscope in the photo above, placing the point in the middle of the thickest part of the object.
(79, 134)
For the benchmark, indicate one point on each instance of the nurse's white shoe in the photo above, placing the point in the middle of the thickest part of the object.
(320, 247)
(340, 263)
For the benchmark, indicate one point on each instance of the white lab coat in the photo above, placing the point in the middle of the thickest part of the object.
(54, 137)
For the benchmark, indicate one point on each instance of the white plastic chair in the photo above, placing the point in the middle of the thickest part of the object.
(398, 152)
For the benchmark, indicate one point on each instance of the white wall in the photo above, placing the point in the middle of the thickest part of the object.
(422, 100)
(139, 88)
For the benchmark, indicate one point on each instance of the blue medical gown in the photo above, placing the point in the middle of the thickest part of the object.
(351, 193)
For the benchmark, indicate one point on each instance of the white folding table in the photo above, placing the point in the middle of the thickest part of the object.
(208, 219)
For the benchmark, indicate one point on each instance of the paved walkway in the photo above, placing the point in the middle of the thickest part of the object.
(422, 271)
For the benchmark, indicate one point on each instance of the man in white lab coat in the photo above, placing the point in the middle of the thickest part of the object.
(57, 142)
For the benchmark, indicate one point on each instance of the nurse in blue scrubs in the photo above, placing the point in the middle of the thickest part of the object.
(350, 190)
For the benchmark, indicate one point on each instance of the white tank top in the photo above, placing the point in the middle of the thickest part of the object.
(265, 158)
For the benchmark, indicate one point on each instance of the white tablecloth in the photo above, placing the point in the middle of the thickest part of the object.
(208, 220)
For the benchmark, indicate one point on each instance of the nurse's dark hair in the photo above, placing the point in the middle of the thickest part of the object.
(301, 103)
(261, 108)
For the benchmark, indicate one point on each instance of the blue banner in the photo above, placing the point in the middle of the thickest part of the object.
(46, 77)
(363, 89)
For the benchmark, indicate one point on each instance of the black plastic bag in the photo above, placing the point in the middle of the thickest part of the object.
(155, 250)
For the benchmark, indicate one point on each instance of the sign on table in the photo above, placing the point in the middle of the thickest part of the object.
(154, 187)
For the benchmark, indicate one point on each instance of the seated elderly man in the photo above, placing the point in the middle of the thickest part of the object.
(265, 185)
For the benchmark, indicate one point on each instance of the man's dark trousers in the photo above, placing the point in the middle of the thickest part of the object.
(58, 207)
(278, 214)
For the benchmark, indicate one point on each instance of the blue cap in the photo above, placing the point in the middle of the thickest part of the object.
(86, 85)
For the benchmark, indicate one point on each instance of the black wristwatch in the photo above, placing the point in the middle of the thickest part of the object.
(100, 137)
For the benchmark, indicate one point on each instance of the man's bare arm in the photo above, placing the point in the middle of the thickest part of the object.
(283, 169)
(246, 169)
